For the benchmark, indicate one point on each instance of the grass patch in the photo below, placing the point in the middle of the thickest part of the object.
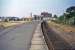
(65, 28)
(11, 23)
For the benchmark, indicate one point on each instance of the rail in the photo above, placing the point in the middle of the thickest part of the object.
(44, 30)
(54, 41)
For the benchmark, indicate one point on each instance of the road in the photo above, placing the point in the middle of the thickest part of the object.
(17, 38)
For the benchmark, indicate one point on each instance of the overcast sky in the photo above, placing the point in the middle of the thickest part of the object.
(25, 7)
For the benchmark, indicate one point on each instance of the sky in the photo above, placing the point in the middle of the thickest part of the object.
(22, 8)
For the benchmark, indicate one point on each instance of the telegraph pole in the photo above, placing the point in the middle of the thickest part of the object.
(31, 14)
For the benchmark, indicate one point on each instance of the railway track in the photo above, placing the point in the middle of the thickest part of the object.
(53, 40)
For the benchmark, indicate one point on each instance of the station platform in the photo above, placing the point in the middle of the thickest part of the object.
(38, 41)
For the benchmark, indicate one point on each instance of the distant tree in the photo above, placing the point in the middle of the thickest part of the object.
(55, 16)
(70, 12)
(69, 16)
(61, 18)
(6, 20)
